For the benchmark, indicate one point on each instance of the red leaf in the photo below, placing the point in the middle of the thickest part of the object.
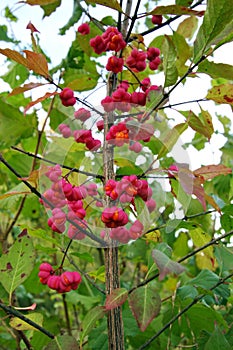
(165, 264)
(116, 298)
(32, 27)
(211, 171)
(145, 304)
(192, 184)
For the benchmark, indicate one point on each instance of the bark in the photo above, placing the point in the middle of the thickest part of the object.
(115, 322)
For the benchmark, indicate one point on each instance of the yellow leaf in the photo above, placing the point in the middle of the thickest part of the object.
(205, 262)
(13, 193)
(113, 4)
(21, 325)
(153, 236)
(35, 175)
(212, 202)
(221, 94)
(204, 259)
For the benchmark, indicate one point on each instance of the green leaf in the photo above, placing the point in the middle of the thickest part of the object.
(16, 75)
(75, 56)
(13, 125)
(87, 301)
(76, 15)
(82, 79)
(50, 8)
(216, 26)
(186, 292)
(84, 256)
(166, 265)
(180, 247)
(169, 59)
(183, 51)
(145, 304)
(201, 123)
(224, 258)
(226, 222)
(205, 279)
(109, 21)
(170, 138)
(21, 325)
(143, 213)
(10, 15)
(116, 298)
(184, 2)
(221, 94)
(201, 318)
(84, 40)
(98, 338)
(216, 70)
(217, 341)
(42, 234)
(90, 320)
(188, 27)
(62, 342)
(3, 34)
(17, 263)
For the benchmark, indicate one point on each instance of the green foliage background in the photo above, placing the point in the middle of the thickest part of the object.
(164, 266)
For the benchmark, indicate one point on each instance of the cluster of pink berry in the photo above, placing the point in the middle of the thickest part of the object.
(121, 233)
(82, 135)
(128, 188)
(110, 40)
(62, 195)
(127, 133)
(62, 283)
(115, 217)
(122, 100)
(84, 29)
(67, 97)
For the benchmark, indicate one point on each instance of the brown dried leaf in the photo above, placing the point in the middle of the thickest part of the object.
(37, 62)
(25, 87)
(15, 56)
(40, 99)
(39, 2)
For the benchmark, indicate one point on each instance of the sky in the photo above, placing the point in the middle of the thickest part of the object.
(56, 49)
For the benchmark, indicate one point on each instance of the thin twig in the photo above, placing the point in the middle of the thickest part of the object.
(74, 170)
(195, 251)
(12, 311)
(90, 234)
(170, 20)
(173, 319)
(71, 261)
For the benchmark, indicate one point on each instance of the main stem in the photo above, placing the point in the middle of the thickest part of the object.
(112, 275)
